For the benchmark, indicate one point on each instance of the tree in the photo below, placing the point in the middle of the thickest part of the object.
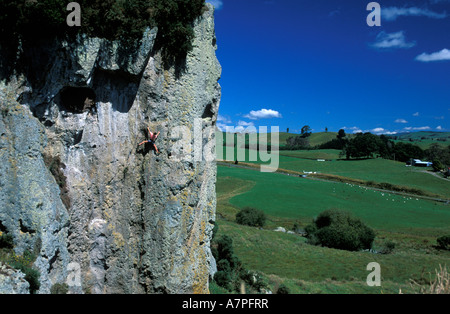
(251, 217)
(363, 145)
(439, 155)
(407, 151)
(306, 131)
(341, 134)
(125, 20)
(340, 230)
(297, 142)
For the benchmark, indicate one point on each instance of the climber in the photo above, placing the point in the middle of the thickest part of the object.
(152, 139)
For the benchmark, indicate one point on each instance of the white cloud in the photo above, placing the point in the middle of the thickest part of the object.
(379, 131)
(221, 126)
(223, 119)
(392, 13)
(416, 114)
(355, 129)
(242, 127)
(401, 121)
(392, 41)
(245, 124)
(263, 114)
(419, 128)
(442, 55)
(439, 128)
(216, 3)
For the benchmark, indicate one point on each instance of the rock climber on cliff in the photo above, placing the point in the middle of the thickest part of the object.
(152, 139)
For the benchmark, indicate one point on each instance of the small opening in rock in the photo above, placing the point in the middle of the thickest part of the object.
(208, 112)
(3, 228)
(25, 229)
(77, 99)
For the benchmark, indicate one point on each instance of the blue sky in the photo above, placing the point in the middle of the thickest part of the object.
(291, 63)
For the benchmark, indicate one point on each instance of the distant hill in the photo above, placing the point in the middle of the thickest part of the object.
(424, 139)
(423, 135)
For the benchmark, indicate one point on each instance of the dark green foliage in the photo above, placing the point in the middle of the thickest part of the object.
(223, 279)
(388, 247)
(297, 143)
(341, 134)
(363, 146)
(24, 263)
(439, 155)
(368, 145)
(407, 151)
(306, 131)
(282, 289)
(340, 230)
(6, 241)
(230, 272)
(123, 20)
(251, 217)
(228, 265)
(336, 143)
(59, 288)
(444, 242)
(174, 19)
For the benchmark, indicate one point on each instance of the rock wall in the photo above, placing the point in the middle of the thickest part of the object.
(110, 215)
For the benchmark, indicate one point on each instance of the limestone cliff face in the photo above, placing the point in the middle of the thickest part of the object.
(124, 218)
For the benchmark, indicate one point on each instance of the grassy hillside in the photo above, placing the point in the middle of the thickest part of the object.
(315, 139)
(411, 224)
(424, 139)
(424, 135)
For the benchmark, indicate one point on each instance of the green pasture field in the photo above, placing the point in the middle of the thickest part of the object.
(377, 170)
(302, 199)
(412, 224)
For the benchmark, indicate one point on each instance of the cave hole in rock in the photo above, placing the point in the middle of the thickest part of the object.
(77, 99)
(208, 113)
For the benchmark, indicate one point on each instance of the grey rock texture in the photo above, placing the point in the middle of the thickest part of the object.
(12, 281)
(134, 221)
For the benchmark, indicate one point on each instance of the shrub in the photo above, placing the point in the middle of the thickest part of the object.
(123, 20)
(24, 263)
(282, 289)
(6, 241)
(251, 217)
(340, 230)
(444, 242)
(388, 247)
(59, 288)
(223, 279)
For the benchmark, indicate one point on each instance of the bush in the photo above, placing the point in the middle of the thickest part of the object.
(444, 242)
(338, 229)
(59, 288)
(24, 263)
(251, 217)
(223, 279)
(282, 289)
(123, 20)
(388, 247)
(6, 241)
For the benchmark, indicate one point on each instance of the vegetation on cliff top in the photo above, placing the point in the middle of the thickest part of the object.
(111, 19)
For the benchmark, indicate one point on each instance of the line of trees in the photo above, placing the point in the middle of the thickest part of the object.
(368, 145)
